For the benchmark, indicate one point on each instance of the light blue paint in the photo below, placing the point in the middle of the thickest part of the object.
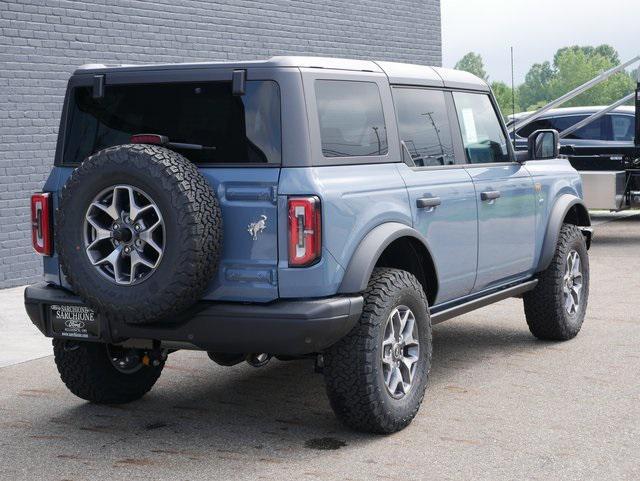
(450, 228)
(506, 226)
(355, 199)
(502, 238)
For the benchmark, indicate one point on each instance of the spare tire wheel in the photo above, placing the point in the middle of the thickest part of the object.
(138, 233)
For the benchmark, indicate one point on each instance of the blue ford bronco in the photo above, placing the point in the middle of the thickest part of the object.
(295, 207)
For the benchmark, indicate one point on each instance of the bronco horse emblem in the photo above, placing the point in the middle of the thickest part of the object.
(256, 227)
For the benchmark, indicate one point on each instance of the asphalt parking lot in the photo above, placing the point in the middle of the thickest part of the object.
(500, 405)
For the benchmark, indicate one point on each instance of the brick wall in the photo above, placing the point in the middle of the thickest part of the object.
(42, 41)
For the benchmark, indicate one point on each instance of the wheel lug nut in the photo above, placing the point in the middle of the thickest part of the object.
(137, 227)
(127, 250)
(116, 226)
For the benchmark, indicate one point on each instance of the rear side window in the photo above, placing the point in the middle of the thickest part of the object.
(482, 134)
(423, 123)
(351, 118)
(221, 127)
(596, 130)
(623, 127)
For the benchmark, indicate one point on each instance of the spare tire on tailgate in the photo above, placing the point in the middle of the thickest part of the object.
(138, 233)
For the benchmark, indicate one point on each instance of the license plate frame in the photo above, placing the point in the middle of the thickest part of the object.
(74, 321)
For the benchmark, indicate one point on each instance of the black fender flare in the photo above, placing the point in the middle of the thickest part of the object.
(559, 212)
(366, 255)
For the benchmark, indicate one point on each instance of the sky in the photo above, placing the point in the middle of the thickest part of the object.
(535, 29)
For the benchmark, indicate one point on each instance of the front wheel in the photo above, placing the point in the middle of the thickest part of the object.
(104, 374)
(377, 374)
(555, 309)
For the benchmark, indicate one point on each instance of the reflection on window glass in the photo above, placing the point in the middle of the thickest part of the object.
(230, 129)
(424, 126)
(623, 127)
(596, 130)
(557, 123)
(351, 118)
(482, 135)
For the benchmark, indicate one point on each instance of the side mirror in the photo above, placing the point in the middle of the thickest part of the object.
(544, 144)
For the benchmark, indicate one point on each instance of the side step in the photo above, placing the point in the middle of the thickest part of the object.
(474, 304)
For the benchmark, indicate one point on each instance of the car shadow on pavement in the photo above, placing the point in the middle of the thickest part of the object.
(199, 410)
(621, 234)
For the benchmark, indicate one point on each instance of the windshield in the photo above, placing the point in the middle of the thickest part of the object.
(222, 127)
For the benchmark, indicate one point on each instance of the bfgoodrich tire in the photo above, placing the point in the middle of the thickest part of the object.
(138, 232)
(555, 309)
(361, 370)
(87, 371)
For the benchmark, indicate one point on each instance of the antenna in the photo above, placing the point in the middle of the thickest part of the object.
(513, 97)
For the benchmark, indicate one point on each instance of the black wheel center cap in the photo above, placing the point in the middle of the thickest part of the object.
(123, 234)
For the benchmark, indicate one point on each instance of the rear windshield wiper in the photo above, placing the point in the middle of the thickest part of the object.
(157, 139)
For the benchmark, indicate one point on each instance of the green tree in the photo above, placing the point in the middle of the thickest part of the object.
(536, 87)
(573, 66)
(576, 65)
(504, 97)
(472, 63)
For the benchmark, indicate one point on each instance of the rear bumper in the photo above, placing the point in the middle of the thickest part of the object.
(291, 327)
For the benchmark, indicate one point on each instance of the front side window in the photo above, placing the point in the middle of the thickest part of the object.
(351, 118)
(528, 129)
(482, 135)
(423, 124)
(219, 126)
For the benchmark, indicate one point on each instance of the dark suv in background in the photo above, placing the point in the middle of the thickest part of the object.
(600, 145)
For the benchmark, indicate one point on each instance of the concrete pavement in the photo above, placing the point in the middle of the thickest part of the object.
(500, 405)
(20, 340)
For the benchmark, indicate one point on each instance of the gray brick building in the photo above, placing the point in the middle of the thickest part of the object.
(42, 41)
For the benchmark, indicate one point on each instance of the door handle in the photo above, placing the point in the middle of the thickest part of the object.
(428, 202)
(490, 195)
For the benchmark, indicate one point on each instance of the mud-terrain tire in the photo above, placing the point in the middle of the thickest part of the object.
(87, 371)
(192, 232)
(545, 307)
(353, 367)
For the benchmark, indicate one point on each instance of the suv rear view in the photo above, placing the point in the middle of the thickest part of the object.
(295, 207)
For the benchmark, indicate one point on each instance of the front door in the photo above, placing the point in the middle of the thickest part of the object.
(440, 190)
(504, 190)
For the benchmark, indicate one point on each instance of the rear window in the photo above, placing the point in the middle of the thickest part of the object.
(351, 118)
(221, 127)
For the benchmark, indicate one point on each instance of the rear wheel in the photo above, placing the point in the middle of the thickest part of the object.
(376, 375)
(104, 374)
(555, 309)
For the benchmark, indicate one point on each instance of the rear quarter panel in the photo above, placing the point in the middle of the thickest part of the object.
(355, 199)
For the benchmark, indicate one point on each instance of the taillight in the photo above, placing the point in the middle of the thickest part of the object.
(305, 231)
(41, 223)
(148, 139)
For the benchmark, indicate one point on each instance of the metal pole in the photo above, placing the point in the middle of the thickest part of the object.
(597, 115)
(574, 93)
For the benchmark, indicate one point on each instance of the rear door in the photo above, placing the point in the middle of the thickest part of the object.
(504, 192)
(235, 140)
(441, 192)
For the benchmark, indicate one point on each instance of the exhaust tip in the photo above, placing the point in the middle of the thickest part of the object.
(258, 359)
